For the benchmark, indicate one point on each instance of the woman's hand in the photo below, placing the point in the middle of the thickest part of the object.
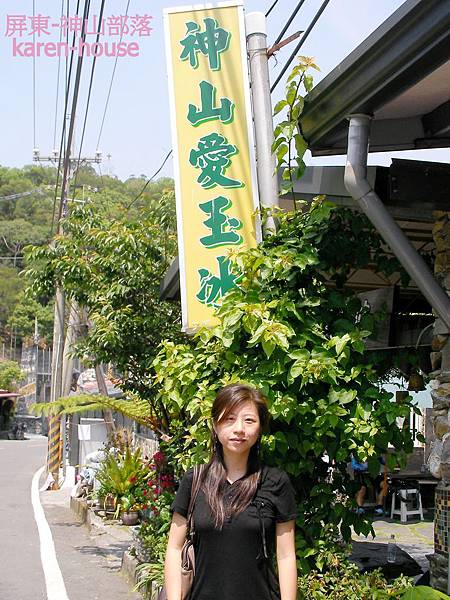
(286, 560)
(172, 565)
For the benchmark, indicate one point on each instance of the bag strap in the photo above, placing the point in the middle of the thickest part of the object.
(259, 505)
(195, 488)
(263, 555)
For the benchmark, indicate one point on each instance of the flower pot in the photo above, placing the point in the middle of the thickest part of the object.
(108, 503)
(130, 518)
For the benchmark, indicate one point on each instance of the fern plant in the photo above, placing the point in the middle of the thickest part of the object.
(133, 407)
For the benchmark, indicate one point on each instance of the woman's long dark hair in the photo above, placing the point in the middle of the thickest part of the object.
(215, 475)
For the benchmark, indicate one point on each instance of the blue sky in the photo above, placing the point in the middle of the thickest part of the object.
(137, 126)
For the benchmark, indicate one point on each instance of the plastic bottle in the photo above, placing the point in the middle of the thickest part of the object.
(391, 550)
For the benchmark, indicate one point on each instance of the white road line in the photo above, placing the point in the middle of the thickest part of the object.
(56, 589)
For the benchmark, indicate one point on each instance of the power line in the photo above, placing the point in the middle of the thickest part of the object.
(300, 44)
(57, 78)
(34, 79)
(67, 58)
(88, 97)
(271, 8)
(73, 111)
(22, 194)
(289, 21)
(66, 102)
(151, 179)
(110, 85)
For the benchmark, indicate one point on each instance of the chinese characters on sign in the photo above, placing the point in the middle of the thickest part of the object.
(216, 190)
(24, 29)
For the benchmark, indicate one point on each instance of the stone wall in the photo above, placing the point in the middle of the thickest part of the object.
(439, 460)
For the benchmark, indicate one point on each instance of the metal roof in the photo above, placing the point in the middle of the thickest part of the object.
(400, 74)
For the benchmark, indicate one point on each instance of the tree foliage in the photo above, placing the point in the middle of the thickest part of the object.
(10, 287)
(27, 215)
(113, 269)
(22, 318)
(10, 375)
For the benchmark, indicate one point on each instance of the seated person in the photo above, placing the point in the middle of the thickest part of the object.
(379, 484)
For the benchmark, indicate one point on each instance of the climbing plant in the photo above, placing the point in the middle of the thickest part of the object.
(294, 329)
(301, 341)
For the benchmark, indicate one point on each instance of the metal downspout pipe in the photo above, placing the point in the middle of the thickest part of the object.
(357, 185)
(255, 24)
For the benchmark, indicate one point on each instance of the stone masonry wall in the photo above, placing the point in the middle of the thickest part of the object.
(439, 460)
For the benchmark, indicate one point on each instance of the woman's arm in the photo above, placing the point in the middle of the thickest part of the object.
(286, 560)
(172, 565)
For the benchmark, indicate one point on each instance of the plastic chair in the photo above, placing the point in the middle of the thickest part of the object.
(406, 497)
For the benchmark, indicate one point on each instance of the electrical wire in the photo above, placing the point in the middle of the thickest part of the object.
(34, 78)
(57, 78)
(88, 98)
(271, 8)
(300, 44)
(63, 133)
(151, 179)
(111, 84)
(289, 21)
(73, 110)
(67, 58)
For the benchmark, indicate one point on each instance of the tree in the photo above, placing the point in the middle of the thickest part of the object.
(24, 315)
(17, 233)
(114, 270)
(10, 375)
(10, 287)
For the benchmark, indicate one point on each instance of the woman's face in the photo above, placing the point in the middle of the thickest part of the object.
(239, 430)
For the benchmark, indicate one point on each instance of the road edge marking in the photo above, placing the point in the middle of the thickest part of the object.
(54, 582)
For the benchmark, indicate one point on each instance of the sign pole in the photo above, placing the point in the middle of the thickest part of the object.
(255, 23)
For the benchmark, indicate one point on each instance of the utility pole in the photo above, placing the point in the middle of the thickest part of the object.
(60, 359)
(255, 23)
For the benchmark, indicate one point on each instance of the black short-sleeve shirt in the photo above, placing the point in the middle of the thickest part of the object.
(229, 562)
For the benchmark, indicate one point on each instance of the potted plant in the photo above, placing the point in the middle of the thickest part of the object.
(122, 477)
(129, 509)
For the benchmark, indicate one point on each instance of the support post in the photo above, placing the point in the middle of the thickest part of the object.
(255, 23)
(54, 432)
(67, 373)
(107, 413)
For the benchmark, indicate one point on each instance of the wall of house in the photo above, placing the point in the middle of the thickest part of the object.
(439, 460)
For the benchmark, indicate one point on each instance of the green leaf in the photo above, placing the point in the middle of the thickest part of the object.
(268, 347)
(422, 592)
(342, 396)
(279, 106)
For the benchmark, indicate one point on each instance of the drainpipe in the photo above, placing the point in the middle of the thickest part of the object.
(357, 185)
(255, 24)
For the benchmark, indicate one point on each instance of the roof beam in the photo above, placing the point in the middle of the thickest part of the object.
(437, 122)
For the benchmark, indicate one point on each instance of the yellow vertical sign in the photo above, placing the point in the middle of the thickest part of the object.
(212, 134)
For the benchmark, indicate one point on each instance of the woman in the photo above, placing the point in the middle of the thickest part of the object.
(243, 512)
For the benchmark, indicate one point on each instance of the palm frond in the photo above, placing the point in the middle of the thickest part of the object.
(133, 408)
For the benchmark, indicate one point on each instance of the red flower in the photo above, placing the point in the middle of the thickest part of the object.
(132, 479)
(159, 458)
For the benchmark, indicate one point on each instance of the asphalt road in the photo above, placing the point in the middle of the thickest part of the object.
(89, 562)
(22, 576)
